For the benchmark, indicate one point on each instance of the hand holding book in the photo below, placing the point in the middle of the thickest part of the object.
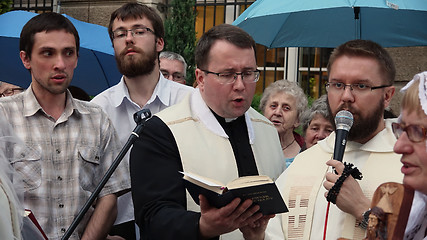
(261, 189)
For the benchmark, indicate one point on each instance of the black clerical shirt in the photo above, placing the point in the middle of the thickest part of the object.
(158, 190)
(238, 136)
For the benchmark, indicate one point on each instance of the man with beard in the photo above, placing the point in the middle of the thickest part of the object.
(70, 144)
(136, 32)
(360, 80)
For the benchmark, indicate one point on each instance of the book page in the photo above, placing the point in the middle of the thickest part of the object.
(205, 182)
(248, 181)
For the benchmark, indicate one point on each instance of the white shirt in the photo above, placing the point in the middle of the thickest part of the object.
(118, 105)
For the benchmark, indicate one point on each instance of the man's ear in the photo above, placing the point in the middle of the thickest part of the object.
(25, 59)
(160, 44)
(388, 94)
(200, 78)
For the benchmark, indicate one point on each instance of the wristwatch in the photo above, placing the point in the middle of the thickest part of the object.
(365, 219)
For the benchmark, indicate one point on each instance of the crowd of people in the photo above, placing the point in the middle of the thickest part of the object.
(56, 142)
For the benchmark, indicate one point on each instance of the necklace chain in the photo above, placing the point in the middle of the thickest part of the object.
(283, 148)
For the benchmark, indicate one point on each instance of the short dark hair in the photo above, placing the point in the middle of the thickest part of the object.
(135, 10)
(227, 32)
(45, 22)
(366, 48)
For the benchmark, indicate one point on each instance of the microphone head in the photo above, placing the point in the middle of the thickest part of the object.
(344, 120)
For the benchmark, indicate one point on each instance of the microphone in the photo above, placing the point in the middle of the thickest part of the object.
(343, 123)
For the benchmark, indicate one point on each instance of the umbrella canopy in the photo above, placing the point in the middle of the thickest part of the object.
(96, 69)
(329, 23)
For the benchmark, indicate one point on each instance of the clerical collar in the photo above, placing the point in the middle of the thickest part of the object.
(222, 120)
(227, 120)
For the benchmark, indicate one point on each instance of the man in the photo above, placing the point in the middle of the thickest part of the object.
(214, 133)
(173, 66)
(72, 143)
(361, 76)
(136, 32)
(7, 89)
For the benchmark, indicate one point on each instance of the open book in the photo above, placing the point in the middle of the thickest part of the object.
(261, 189)
(32, 228)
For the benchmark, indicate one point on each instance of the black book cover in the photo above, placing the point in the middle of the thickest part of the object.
(267, 196)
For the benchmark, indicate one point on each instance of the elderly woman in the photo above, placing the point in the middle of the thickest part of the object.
(411, 132)
(316, 123)
(283, 103)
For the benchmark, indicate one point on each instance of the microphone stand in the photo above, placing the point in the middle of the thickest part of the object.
(140, 118)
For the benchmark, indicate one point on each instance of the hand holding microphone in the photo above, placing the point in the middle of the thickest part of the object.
(343, 123)
(333, 183)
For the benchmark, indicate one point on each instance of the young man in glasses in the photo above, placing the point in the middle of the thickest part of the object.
(214, 133)
(360, 80)
(173, 66)
(136, 32)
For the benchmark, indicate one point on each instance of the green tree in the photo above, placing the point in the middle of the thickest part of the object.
(180, 33)
(5, 6)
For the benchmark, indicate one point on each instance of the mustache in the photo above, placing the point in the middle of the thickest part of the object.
(348, 107)
(134, 48)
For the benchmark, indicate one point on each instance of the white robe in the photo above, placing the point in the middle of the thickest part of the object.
(302, 187)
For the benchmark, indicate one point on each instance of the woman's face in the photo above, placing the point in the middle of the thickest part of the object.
(281, 110)
(318, 129)
(414, 154)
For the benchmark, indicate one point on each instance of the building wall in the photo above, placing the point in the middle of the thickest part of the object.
(409, 61)
(99, 11)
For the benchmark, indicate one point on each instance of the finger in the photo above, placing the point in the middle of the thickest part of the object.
(252, 220)
(204, 204)
(337, 165)
(245, 210)
(230, 209)
(328, 185)
(331, 177)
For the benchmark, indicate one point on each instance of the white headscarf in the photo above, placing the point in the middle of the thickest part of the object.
(422, 88)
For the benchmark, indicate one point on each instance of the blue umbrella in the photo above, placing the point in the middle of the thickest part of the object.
(96, 69)
(329, 23)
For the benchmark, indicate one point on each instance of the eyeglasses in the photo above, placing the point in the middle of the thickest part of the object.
(355, 88)
(230, 77)
(416, 133)
(136, 32)
(175, 76)
(11, 91)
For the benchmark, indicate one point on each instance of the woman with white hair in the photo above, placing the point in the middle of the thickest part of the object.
(283, 103)
(316, 122)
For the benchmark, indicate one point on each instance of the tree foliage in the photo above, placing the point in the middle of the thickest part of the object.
(180, 33)
(5, 6)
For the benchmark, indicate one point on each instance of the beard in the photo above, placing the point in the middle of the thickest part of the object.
(363, 127)
(139, 64)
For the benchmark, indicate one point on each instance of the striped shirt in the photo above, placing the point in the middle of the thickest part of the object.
(65, 159)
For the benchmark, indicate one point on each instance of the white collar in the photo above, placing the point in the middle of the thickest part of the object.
(204, 114)
(160, 91)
